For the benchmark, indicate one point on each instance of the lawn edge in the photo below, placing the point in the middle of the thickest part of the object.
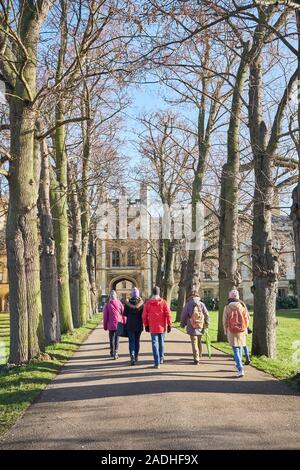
(55, 374)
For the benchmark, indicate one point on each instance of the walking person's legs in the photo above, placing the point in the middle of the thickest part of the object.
(200, 345)
(247, 354)
(131, 343)
(237, 353)
(155, 349)
(137, 344)
(195, 348)
(116, 345)
(161, 343)
(111, 342)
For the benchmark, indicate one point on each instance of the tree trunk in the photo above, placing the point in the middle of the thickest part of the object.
(229, 198)
(181, 290)
(26, 324)
(60, 208)
(49, 280)
(295, 212)
(197, 222)
(75, 252)
(85, 310)
(168, 280)
(264, 263)
(159, 267)
(91, 265)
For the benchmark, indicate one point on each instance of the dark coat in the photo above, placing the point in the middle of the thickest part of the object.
(133, 310)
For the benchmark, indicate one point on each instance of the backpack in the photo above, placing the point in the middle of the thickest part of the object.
(236, 320)
(197, 318)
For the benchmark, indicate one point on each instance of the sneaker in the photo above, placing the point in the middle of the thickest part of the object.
(136, 358)
(240, 373)
(111, 353)
(156, 366)
(247, 361)
(132, 361)
(116, 356)
(196, 362)
(161, 360)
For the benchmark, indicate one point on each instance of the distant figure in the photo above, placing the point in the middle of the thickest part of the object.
(235, 323)
(196, 319)
(133, 310)
(113, 312)
(157, 320)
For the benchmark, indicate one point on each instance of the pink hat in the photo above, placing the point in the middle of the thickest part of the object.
(234, 294)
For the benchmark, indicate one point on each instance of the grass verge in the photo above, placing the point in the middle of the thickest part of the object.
(20, 386)
(286, 366)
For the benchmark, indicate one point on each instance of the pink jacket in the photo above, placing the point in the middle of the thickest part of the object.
(113, 312)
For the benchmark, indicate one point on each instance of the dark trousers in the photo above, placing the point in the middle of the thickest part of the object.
(134, 342)
(113, 342)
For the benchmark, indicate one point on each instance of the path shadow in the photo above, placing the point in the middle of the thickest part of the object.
(156, 386)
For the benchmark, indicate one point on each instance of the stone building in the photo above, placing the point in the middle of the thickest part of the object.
(284, 245)
(124, 260)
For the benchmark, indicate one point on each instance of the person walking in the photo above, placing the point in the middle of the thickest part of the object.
(196, 319)
(112, 315)
(133, 310)
(157, 320)
(235, 323)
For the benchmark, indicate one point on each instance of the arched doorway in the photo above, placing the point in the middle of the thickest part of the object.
(123, 285)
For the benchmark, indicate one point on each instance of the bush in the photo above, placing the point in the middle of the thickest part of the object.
(174, 304)
(211, 304)
(287, 302)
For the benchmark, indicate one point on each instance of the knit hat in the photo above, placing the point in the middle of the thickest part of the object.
(135, 292)
(113, 295)
(234, 294)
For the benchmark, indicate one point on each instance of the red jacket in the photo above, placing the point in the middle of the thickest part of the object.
(157, 315)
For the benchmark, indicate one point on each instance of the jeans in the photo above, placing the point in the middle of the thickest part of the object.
(237, 352)
(113, 342)
(246, 351)
(134, 342)
(158, 346)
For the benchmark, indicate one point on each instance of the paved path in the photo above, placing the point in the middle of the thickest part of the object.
(98, 403)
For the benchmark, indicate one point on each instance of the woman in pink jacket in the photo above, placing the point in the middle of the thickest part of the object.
(113, 312)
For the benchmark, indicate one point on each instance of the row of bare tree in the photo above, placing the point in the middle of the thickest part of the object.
(235, 69)
(229, 71)
(62, 63)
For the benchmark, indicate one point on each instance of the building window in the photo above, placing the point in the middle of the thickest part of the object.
(115, 259)
(208, 293)
(124, 285)
(207, 275)
(130, 258)
(282, 293)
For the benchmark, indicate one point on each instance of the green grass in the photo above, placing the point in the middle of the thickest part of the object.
(287, 331)
(4, 337)
(20, 386)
